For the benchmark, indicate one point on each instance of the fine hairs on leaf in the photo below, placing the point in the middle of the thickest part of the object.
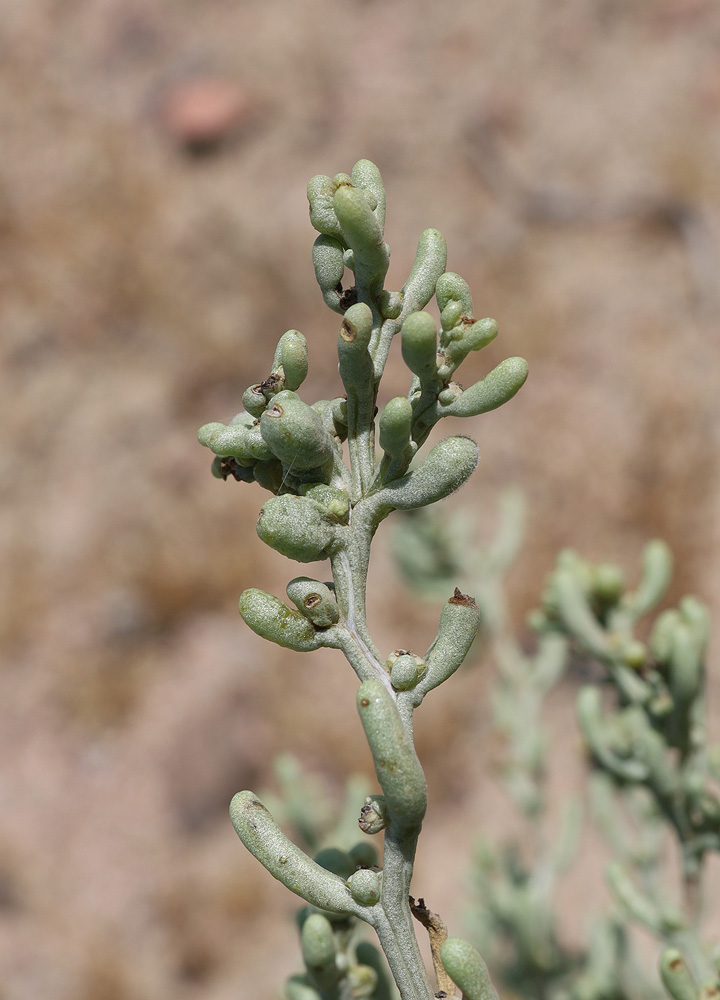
(324, 507)
(336, 469)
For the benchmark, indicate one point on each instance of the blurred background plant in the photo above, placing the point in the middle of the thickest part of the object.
(302, 805)
(151, 229)
(654, 788)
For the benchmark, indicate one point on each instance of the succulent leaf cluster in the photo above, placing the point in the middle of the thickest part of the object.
(646, 734)
(650, 730)
(336, 469)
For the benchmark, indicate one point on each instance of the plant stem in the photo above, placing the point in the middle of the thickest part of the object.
(394, 926)
(395, 929)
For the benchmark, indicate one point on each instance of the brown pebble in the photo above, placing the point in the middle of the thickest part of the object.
(204, 111)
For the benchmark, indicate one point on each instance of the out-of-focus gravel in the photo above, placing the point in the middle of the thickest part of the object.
(154, 244)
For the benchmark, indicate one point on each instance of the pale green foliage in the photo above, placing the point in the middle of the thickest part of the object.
(655, 777)
(330, 834)
(331, 492)
(304, 806)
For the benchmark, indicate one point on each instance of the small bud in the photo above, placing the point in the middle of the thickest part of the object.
(708, 806)
(391, 304)
(451, 314)
(406, 671)
(254, 400)
(296, 527)
(373, 815)
(419, 344)
(315, 600)
(449, 394)
(224, 467)
(452, 288)
(364, 886)
(694, 784)
(472, 338)
(323, 408)
(272, 619)
(569, 559)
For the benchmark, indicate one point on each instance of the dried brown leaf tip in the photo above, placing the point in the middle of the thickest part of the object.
(460, 598)
(270, 384)
(348, 297)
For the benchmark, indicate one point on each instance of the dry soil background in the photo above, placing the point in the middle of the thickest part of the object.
(154, 244)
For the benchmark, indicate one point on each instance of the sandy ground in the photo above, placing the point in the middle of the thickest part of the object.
(154, 244)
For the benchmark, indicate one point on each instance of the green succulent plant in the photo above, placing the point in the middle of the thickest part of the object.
(336, 472)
